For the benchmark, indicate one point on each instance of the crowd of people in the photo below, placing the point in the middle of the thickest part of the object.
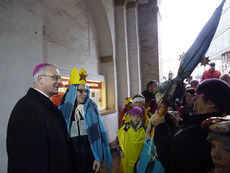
(182, 143)
(192, 135)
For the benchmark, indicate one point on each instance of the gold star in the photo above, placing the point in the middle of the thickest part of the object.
(181, 56)
(204, 61)
(82, 76)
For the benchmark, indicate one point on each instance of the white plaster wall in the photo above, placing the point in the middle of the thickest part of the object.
(109, 79)
(97, 10)
(21, 49)
(103, 28)
(70, 37)
(109, 9)
(110, 69)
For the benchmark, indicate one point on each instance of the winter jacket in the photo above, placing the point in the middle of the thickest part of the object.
(187, 150)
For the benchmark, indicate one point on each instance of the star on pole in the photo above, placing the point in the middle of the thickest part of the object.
(204, 61)
(181, 56)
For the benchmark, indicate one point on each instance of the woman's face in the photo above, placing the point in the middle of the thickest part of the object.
(220, 156)
(81, 94)
(189, 98)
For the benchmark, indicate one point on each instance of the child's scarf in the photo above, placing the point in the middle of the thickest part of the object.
(93, 124)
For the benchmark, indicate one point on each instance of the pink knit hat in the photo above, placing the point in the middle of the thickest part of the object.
(38, 67)
(136, 111)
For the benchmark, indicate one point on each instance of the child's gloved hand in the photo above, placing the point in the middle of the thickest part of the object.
(156, 119)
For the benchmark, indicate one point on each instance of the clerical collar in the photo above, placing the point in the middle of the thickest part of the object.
(42, 92)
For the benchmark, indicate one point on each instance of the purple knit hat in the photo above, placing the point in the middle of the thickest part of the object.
(136, 111)
(38, 67)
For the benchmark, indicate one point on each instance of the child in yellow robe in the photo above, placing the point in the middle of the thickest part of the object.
(131, 138)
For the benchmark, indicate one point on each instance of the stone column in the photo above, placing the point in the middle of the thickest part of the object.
(127, 50)
(133, 47)
(121, 54)
(149, 40)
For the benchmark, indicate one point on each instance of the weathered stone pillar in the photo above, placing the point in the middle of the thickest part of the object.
(121, 54)
(137, 46)
(127, 50)
(149, 40)
(133, 47)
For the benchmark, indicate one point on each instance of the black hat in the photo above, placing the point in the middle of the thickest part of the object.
(212, 64)
(218, 91)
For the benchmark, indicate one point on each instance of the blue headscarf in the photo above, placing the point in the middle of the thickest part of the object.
(93, 124)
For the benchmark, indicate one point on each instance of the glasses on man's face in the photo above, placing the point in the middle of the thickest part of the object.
(81, 91)
(197, 96)
(56, 77)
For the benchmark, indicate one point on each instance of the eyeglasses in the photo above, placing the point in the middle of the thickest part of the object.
(56, 77)
(197, 95)
(81, 91)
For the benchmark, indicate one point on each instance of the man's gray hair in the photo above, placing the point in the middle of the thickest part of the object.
(41, 71)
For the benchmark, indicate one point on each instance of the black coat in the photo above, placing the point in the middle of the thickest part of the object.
(37, 139)
(186, 151)
(148, 96)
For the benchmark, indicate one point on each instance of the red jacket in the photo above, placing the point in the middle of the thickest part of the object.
(210, 74)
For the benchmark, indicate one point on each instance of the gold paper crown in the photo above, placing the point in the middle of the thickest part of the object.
(128, 100)
(77, 77)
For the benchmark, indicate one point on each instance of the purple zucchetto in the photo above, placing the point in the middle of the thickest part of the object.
(38, 67)
(136, 111)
